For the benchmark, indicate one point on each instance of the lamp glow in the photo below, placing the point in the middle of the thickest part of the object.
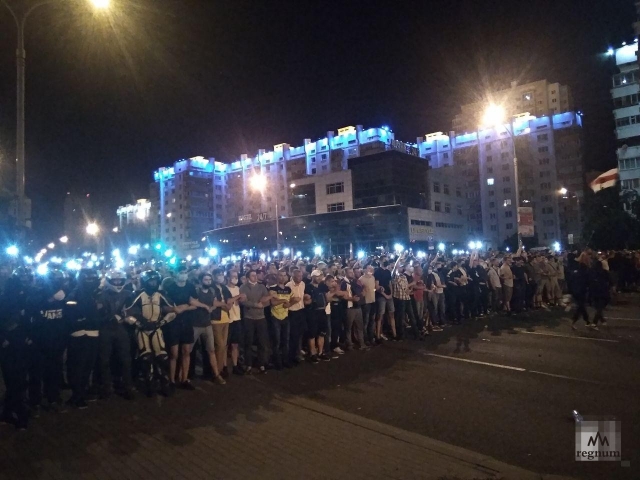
(42, 269)
(494, 115)
(286, 251)
(168, 253)
(398, 248)
(421, 254)
(563, 191)
(51, 246)
(101, 4)
(13, 251)
(213, 252)
(258, 182)
(64, 239)
(299, 254)
(441, 247)
(133, 249)
(360, 255)
(93, 229)
(556, 246)
(317, 250)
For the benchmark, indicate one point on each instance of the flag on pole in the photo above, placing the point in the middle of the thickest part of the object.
(605, 180)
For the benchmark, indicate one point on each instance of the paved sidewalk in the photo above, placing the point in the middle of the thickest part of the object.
(264, 436)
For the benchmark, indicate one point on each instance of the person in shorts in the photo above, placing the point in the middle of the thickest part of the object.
(384, 299)
(206, 302)
(178, 334)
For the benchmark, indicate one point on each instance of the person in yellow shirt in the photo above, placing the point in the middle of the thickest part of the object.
(280, 328)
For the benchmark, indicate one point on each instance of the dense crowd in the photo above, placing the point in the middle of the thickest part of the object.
(104, 332)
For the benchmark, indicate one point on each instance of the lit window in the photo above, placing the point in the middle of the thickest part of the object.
(490, 181)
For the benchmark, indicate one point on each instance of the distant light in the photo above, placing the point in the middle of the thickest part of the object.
(563, 191)
(263, 256)
(64, 239)
(275, 253)
(299, 254)
(13, 251)
(213, 252)
(494, 115)
(455, 252)
(101, 4)
(317, 250)
(28, 260)
(189, 258)
(360, 254)
(146, 246)
(141, 214)
(116, 253)
(624, 43)
(93, 229)
(286, 251)
(169, 215)
(398, 248)
(508, 249)
(441, 247)
(73, 265)
(421, 254)
(490, 181)
(556, 246)
(56, 260)
(42, 269)
(479, 245)
(258, 182)
(173, 261)
(203, 261)
(90, 264)
(635, 40)
(293, 185)
(245, 252)
(168, 253)
(385, 128)
(115, 230)
(472, 245)
(158, 246)
(119, 263)
(234, 258)
(133, 249)
(51, 245)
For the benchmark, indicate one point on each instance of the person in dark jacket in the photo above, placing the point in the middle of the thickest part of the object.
(580, 287)
(599, 292)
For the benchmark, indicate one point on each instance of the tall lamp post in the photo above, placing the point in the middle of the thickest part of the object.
(20, 19)
(494, 116)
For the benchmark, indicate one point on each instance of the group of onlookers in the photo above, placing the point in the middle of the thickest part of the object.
(100, 333)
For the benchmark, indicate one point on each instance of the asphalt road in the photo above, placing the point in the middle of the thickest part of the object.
(504, 388)
(501, 387)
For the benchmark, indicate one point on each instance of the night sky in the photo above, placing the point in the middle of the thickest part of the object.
(110, 97)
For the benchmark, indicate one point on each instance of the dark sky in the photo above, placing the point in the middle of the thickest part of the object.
(112, 97)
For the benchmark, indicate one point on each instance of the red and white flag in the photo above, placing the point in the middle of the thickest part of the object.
(606, 180)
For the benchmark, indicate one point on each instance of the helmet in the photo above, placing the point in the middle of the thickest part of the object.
(24, 275)
(116, 279)
(88, 279)
(57, 279)
(150, 280)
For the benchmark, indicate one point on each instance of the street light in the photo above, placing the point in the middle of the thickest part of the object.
(13, 251)
(93, 229)
(21, 54)
(259, 182)
(494, 116)
(64, 239)
(101, 4)
(563, 191)
(51, 246)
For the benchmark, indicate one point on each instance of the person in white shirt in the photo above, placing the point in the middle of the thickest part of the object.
(235, 327)
(296, 316)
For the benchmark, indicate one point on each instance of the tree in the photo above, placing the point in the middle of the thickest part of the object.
(608, 226)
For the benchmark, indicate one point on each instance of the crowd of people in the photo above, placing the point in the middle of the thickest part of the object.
(99, 333)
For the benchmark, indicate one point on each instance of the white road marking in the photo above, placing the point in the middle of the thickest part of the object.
(517, 369)
(476, 361)
(576, 337)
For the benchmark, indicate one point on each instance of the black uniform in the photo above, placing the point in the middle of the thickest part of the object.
(49, 336)
(114, 340)
(82, 315)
